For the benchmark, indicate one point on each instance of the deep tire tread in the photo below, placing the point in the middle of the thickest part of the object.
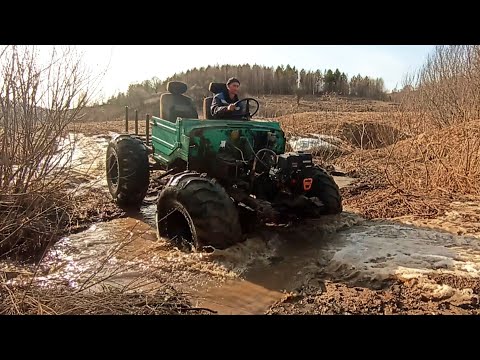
(134, 172)
(213, 213)
(327, 190)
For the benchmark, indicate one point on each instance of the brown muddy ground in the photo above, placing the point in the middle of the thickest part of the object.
(402, 298)
(334, 265)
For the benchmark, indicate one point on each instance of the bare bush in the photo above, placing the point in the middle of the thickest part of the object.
(109, 301)
(440, 106)
(445, 90)
(37, 103)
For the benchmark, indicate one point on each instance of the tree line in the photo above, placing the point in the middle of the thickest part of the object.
(259, 80)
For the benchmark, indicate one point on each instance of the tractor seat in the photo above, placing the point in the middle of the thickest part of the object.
(215, 88)
(174, 104)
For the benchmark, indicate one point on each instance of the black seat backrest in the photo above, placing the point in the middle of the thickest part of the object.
(217, 88)
(174, 104)
(207, 102)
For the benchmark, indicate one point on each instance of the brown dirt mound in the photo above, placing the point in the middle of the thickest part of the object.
(376, 201)
(447, 159)
(458, 282)
(359, 130)
(403, 297)
(371, 135)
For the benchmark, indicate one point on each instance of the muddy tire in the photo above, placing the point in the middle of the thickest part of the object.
(326, 190)
(195, 210)
(127, 169)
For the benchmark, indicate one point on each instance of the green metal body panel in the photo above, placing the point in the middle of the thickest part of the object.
(183, 139)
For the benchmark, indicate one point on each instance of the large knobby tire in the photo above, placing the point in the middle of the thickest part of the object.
(197, 210)
(326, 190)
(128, 173)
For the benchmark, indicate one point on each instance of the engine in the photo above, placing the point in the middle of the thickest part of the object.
(251, 164)
(290, 168)
(235, 162)
(285, 177)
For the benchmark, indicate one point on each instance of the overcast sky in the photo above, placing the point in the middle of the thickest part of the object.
(134, 63)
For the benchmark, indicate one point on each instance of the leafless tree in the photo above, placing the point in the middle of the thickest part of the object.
(38, 100)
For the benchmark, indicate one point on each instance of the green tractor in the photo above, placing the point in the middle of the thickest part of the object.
(223, 176)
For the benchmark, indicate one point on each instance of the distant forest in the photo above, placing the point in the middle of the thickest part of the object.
(258, 80)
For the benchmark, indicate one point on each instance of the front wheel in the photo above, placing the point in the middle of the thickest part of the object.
(325, 189)
(197, 211)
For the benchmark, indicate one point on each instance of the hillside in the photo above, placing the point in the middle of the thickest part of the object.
(271, 106)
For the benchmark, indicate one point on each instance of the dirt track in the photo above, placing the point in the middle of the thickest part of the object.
(335, 265)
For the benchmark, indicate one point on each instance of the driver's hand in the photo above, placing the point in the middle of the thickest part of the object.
(231, 107)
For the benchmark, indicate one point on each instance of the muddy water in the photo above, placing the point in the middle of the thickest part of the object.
(249, 277)
(246, 278)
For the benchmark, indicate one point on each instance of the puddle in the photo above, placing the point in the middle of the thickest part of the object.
(375, 252)
(463, 218)
(84, 157)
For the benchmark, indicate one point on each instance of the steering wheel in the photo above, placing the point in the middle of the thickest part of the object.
(247, 107)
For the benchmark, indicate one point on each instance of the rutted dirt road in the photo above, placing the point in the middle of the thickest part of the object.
(338, 264)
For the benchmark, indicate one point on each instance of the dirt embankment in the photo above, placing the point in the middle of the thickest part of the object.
(422, 176)
(408, 297)
(400, 170)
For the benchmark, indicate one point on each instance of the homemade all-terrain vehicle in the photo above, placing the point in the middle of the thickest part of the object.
(224, 175)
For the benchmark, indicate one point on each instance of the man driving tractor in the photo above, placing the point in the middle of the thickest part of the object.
(223, 104)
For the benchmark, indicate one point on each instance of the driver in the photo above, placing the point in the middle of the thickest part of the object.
(223, 106)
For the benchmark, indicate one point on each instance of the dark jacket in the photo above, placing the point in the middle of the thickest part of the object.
(219, 107)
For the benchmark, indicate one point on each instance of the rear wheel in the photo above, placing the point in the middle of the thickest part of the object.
(197, 211)
(326, 190)
(127, 168)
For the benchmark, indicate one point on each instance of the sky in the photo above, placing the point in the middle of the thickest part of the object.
(126, 64)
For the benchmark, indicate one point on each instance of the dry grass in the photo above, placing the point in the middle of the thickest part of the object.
(444, 113)
(109, 301)
(352, 132)
(276, 106)
(90, 128)
(440, 160)
(377, 199)
(417, 176)
(361, 130)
